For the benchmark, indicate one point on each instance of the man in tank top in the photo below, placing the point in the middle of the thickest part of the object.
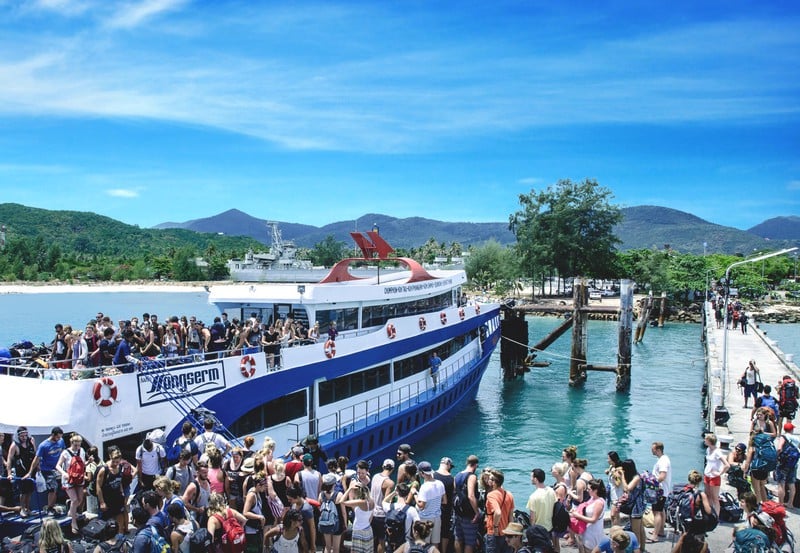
(380, 487)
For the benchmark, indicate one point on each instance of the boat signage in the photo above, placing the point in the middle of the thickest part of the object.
(418, 286)
(180, 382)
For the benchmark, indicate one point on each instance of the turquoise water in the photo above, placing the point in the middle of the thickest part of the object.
(515, 426)
(787, 335)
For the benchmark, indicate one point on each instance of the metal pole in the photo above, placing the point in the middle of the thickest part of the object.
(725, 312)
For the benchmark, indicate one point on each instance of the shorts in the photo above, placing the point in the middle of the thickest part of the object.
(26, 486)
(759, 474)
(712, 480)
(658, 506)
(447, 522)
(52, 480)
(378, 528)
(466, 531)
(436, 531)
(786, 476)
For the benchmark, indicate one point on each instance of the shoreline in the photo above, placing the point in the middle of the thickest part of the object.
(104, 287)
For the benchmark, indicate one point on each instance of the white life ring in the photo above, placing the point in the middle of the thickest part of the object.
(330, 349)
(443, 317)
(248, 366)
(105, 392)
(391, 332)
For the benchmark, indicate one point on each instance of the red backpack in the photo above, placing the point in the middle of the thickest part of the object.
(233, 539)
(76, 471)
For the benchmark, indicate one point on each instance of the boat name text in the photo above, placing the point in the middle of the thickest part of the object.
(418, 286)
(171, 383)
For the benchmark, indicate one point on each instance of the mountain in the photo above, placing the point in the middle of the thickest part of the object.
(778, 228)
(643, 226)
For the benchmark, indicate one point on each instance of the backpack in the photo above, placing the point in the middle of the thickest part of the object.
(788, 456)
(328, 516)
(787, 397)
(461, 505)
(174, 451)
(691, 514)
(560, 518)
(736, 479)
(778, 514)
(200, 541)
(769, 401)
(396, 524)
(652, 488)
(157, 542)
(91, 489)
(766, 458)
(729, 508)
(232, 534)
(76, 471)
(419, 548)
(750, 540)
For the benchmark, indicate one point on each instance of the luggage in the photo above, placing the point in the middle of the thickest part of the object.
(729, 508)
(95, 530)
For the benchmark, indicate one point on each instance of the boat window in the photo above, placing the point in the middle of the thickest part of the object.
(273, 413)
(377, 315)
(350, 385)
(346, 319)
(409, 366)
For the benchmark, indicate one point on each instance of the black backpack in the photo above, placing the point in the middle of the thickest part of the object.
(396, 524)
(560, 518)
(461, 505)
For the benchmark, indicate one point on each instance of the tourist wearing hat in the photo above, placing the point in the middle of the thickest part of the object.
(329, 493)
(513, 534)
(309, 479)
(429, 501)
(380, 486)
(788, 447)
(442, 474)
(404, 454)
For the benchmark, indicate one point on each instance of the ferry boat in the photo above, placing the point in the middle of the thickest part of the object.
(362, 394)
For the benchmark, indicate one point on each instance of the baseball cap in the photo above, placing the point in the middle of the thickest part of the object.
(297, 450)
(308, 458)
(388, 464)
(329, 479)
(425, 466)
(405, 448)
(446, 461)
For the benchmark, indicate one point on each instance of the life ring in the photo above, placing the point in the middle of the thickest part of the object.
(443, 317)
(461, 314)
(330, 349)
(422, 324)
(248, 366)
(109, 397)
(477, 309)
(390, 331)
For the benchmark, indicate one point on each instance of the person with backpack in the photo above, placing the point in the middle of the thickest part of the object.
(255, 511)
(788, 449)
(148, 539)
(420, 534)
(150, 457)
(766, 400)
(182, 528)
(762, 458)
(72, 468)
(465, 506)
(225, 525)
(750, 378)
(331, 514)
(181, 472)
(787, 400)
(763, 422)
(400, 516)
(197, 494)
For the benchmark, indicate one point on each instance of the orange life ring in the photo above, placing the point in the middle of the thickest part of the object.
(422, 324)
(477, 309)
(330, 349)
(443, 317)
(461, 314)
(248, 366)
(107, 399)
(390, 331)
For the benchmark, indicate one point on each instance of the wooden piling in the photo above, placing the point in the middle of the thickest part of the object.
(663, 311)
(644, 317)
(577, 363)
(625, 335)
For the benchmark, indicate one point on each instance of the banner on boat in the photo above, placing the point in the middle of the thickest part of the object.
(180, 382)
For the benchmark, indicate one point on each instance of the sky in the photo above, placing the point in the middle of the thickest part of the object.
(170, 110)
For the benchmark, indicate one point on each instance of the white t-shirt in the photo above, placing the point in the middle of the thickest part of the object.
(714, 462)
(431, 492)
(210, 438)
(663, 465)
(150, 459)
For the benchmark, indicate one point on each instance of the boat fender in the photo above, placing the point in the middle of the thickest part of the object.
(443, 317)
(248, 366)
(330, 349)
(107, 399)
(422, 324)
(461, 314)
(390, 331)
(477, 309)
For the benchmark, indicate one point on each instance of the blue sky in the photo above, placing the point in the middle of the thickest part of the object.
(170, 110)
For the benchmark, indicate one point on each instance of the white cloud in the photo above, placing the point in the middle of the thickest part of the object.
(135, 13)
(122, 193)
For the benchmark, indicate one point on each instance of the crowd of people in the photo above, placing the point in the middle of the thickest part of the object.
(105, 346)
(290, 506)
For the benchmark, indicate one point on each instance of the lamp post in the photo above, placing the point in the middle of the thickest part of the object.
(725, 312)
(705, 297)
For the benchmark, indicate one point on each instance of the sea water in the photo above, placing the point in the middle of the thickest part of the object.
(515, 425)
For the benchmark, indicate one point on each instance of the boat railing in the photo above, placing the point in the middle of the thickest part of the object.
(378, 408)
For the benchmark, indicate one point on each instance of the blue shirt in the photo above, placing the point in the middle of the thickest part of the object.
(436, 362)
(49, 452)
(605, 544)
(123, 352)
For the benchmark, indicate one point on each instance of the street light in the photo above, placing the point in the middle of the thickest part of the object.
(725, 312)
